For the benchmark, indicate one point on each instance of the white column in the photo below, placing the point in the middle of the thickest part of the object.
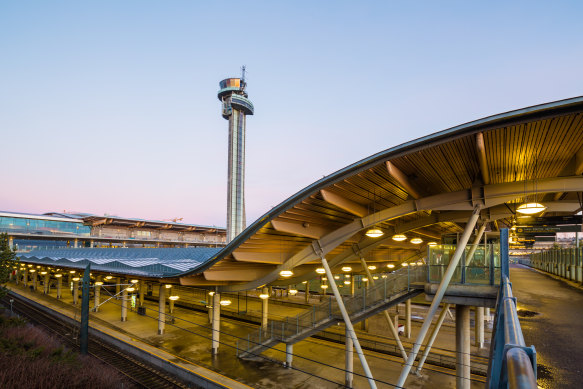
(479, 327)
(439, 294)
(25, 279)
(264, 309)
(307, 295)
(97, 293)
(210, 306)
(117, 287)
(46, 283)
(76, 243)
(141, 291)
(216, 322)
(349, 361)
(59, 286)
(371, 282)
(161, 309)
(432, 337)
(348, 324)
(408, 318)
(75, 292)
(34, 280)
(124, 303)
(289, 355)
(462, 341)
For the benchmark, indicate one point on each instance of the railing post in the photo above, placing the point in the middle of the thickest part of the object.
(297, 324)
(313, 315)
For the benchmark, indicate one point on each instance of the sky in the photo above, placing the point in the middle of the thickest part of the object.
(110, 107)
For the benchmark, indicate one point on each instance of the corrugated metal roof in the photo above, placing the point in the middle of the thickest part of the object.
(162, 262)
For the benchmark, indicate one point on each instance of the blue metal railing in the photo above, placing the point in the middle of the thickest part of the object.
(512, 364)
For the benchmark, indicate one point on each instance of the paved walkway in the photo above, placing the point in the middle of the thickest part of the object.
(316, 363)
(555, 328)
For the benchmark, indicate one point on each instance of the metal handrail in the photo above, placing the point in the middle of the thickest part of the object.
(512, 364)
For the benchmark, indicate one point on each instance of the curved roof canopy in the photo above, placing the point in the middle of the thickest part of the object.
(423, 188)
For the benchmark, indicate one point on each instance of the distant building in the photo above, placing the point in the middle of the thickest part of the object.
(53, 229)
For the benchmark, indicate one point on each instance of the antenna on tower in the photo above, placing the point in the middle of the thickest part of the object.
(243, 84)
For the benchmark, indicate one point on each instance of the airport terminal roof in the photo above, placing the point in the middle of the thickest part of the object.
(147, 262)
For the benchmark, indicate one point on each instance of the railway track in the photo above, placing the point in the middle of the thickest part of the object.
(137, 372)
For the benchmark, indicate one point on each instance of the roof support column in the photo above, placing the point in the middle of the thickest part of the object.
(440, 293)
(472, 251)
(141, 291)
(385, 312)
(75, 290)
(462, 342)
(124, 304)
(25, 278)
(117, 287)
(348, 324)
(289, 354)
(264, 309)
(349, 361)
(97, 293)
(479, 326)
(408, 318)
(46, 283)
(59, 285)
(34, 279)
(161, 309)
(307, 294)
(216, 322)
(432, 337)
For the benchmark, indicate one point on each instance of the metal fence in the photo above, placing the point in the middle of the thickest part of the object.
(563, 262)
(385, 289)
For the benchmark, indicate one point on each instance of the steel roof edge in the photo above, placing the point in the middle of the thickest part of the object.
(554, 108)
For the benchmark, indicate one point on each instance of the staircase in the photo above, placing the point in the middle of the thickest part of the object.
(385, 293)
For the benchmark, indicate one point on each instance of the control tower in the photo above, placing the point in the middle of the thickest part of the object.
(236, 106)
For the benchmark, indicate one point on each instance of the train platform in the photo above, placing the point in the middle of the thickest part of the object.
(316, 363)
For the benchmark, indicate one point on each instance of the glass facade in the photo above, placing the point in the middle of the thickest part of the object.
(42, 227)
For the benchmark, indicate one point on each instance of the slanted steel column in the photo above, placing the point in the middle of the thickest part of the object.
(462, 341)
(408, 318)
(432, 337)
(477, 240)
(216, 323)
(479, 326)
(264, 309)
(161, 309)
(124, 303)
(385, 312)
(348, 324)
(289, 355)
(349, 361)
(439, 294)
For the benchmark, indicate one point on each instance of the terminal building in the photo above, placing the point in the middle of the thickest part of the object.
(426, 223)
(75, 230)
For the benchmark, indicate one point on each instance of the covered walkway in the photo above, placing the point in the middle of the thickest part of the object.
(551, 316)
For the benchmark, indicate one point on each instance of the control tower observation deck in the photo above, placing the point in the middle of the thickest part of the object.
(236, 106)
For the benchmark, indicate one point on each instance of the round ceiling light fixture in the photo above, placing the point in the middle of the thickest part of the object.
(320, 270)
(390, 266)
(416, 240)
(346, 268)
(286, 273)
(399, 237)
(530, 208)
(431, 244)
(372, 267)
(225, 302)
(374, 232)
(263, 296)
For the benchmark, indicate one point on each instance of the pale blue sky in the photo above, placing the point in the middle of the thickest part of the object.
(110, 106)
